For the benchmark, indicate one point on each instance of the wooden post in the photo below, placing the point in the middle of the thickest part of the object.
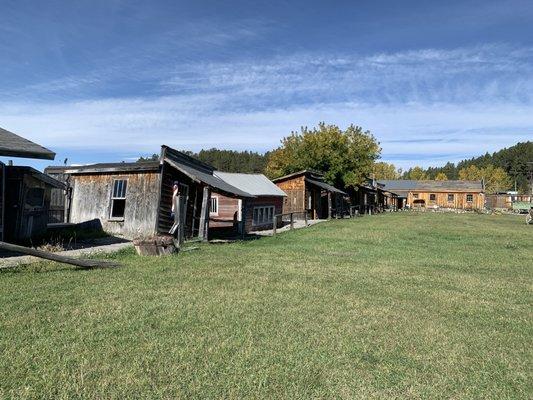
(56, 257)
(204, 216)
(292, 221)
(329, 205)
(305, 217)
(244, 203)
(275, 227)
(193, 222)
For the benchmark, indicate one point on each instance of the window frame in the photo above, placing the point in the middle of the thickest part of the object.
(415, 196)
(121, 196)
(265, 215)
(432, 197)
(471, 198)
(452, 195)
(215, 200)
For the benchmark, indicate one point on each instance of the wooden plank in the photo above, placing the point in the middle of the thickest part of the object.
(56, 257)
(329, 205)
(204, 216)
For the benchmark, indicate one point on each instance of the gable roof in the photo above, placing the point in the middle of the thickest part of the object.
(43, 177)
(432, 185)
(324, 185)
(313, 177)
(199, 171)
(13, 145)
(255, 184)
(307, 172)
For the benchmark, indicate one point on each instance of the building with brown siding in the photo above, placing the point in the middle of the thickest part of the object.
(307, 192)
(452, 194)
(253, 213)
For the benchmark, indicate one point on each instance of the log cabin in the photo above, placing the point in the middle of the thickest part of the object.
(308, 193)
(250, 214)
(452, 194)
(24, 191)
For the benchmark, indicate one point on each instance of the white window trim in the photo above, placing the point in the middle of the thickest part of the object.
(263, 221)
(466, 198)
(217, 201)
(112, 198)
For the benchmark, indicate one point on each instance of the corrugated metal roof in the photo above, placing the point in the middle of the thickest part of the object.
(12, 145)
(324, 185)
(255, 184)
(208, 179)
(449, 186)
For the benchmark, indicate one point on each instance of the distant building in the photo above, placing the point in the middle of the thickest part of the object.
(508, 200)
(257, 213)
(307, 192)
(453, 194)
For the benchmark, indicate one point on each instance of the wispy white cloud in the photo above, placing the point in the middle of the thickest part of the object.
(425, 106)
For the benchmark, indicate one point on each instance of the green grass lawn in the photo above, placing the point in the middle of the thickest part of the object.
(395, 305)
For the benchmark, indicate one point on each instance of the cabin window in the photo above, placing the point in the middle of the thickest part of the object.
(469, 198)
(415, 195)
(213, 206)
(451, 198)
(263, 215)
(432, 197)
(118, 198)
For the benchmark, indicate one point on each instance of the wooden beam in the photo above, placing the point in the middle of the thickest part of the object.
(329, 205)
(204, 216)
(56, 257)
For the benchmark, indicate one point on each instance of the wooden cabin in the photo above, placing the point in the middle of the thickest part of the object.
(505, 201)
(24, 192)
(27, 202)
(253, 213)
(452, 194)
(134, 200)
(307, 192)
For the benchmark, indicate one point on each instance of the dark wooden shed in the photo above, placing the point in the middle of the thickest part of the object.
(12, 145)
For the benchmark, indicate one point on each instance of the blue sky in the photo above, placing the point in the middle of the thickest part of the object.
(111, 80)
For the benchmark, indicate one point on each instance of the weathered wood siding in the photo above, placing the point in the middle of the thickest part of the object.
(275, 201)
(505, 201)
(24, 220)
(296, 194)
(441, 200)
(91, 199)
(228, 211)
(191, 190)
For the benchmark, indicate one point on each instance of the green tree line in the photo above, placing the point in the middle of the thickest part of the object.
(349, 156)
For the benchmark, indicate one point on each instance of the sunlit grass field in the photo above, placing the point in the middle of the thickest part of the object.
(401, 305)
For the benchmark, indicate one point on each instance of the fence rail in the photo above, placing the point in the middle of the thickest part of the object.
(290, 218)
